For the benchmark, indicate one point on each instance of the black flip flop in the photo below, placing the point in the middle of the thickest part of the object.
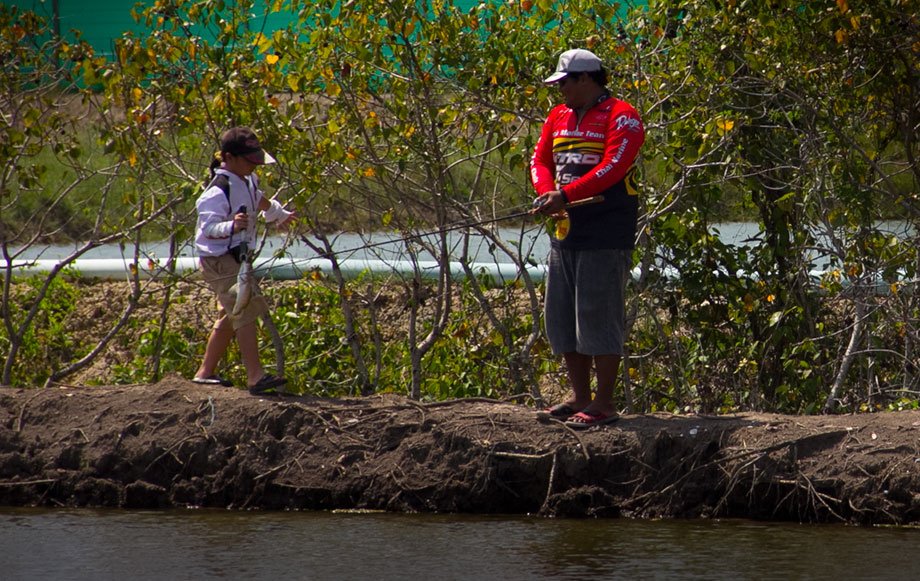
(562, 411)
(267, 384)
(213, 380)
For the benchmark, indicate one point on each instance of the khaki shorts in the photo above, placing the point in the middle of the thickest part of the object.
(220, 273)
(585, 307)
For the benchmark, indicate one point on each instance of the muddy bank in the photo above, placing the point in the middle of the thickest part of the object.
(177, 444)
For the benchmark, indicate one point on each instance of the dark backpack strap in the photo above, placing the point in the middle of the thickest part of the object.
(222, 182)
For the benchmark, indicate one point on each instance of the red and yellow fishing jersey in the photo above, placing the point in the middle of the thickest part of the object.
(589, 156)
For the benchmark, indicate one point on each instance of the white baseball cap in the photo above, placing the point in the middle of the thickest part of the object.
(576, 60)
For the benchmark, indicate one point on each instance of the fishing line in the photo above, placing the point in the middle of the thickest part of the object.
(450, 228)
(323, 253)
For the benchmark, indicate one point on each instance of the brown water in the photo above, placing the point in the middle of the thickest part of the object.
(89, 544)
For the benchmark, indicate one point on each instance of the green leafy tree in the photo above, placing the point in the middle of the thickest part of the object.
(413, 116)
(778, 108)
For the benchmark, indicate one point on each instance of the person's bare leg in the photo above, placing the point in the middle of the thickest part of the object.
(218, 342)
(607, 367)
(248, 339)
(578, 367)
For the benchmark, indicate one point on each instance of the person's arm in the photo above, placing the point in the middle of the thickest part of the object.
(274, 213)
(542, 166)
(214, 214)
(272, 210)
(625, 136)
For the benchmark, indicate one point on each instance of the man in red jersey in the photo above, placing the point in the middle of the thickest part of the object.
(587, 148)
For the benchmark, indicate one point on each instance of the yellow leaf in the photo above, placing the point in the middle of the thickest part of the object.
(89, 73)
(370, 172)
(841, 36)
(271, 58)
(137, 93)
(263, 42)
(854, 22)
(132, 159)
(725, 125)
(447, 114)
(843, 6)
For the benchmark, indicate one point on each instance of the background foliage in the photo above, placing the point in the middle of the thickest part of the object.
(800, 116)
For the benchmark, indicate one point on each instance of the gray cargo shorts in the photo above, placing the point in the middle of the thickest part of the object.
(585, 305)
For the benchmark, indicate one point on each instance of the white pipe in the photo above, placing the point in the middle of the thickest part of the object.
(288, 268)
(275, 268)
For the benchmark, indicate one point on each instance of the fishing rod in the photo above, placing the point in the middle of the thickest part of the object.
(247, 269)
(537, 203)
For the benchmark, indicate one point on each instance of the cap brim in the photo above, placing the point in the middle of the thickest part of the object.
(260, 157)
(555, 77)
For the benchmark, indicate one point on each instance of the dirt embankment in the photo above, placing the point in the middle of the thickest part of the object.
(176, 444)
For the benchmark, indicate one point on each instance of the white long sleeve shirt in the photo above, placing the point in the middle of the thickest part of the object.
(214, 234)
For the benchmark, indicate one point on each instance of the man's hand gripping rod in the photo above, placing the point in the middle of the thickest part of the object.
(539, 202)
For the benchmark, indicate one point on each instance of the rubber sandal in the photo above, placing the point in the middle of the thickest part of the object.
(586, 419)
(213, 380)
(267, 384)
(560, 411)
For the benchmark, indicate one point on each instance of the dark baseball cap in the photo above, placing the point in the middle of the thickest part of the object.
(242, 141)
